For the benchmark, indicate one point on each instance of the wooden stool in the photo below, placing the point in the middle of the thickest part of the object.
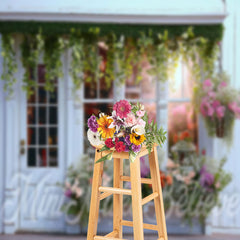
(99, 193)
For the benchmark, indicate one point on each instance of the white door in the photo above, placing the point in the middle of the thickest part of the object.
(42, 157)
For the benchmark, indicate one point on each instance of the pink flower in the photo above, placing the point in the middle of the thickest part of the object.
(212, 94)
(215, 104)
(207, 85)
(222, 85)
(220, 111)
(130, 120)
(233, 106)
(206, 109)
(122, 108)
(140, 113)
(141, 122)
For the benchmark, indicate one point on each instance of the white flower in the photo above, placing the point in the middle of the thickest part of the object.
(79, 192)
(141, 107)
(94, 138)
(138, 129)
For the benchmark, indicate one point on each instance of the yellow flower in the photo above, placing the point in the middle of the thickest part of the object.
(103, 127)
(137, 139)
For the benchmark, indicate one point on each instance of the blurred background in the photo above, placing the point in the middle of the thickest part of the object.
(62, 61)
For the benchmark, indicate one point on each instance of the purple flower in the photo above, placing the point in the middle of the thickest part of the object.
(206, 178)
(92, 123)
(68, 193)
(126, 148)
(136, 148)
(127, 140)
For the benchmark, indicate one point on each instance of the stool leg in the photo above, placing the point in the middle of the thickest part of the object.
(158, 202)
(136, 199)
(94, 206)
(117, 198)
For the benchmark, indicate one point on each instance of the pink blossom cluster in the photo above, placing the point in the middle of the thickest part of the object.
(211, 106)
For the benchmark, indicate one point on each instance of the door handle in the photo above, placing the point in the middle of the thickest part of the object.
(22, 146)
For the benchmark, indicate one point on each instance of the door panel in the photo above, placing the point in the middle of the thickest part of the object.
(42, 165)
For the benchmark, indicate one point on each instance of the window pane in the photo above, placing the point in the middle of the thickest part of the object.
(42, 157)
(182, 122)
(42, 115)
(32, 98)
(41, 73)
(52, 139)
(43, 112)
(42, 95)
(31, 136)
(31, 115)
(151, 111)
(42, 136)
(53, 115)
(31, 155)
(52, 158)
(90, 90)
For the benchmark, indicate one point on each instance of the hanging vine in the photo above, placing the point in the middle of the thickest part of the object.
(53, 48)
(124, 56)
(76, 44)
(31, 48)
(9, 63)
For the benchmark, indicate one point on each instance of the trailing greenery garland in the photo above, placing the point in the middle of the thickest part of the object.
(9, 63)
(124, 54)
(31, 48)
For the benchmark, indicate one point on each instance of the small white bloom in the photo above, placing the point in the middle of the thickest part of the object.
(79, 192)
(138, 129)
(141, 107)
(94, 138)
(101, 115)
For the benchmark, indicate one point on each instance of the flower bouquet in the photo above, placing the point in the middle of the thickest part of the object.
(219, 105)
(126, 129)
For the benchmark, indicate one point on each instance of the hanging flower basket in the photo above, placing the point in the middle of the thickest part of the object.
(126, 129)
(220, 128)
(219, 105)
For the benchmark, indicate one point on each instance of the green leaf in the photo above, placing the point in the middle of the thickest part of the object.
(106, 157)
(132, 156)
(104, 148)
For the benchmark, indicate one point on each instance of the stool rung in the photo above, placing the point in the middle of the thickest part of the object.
(143, 180)
(115, 190)
(149, 198)
(112, 234)
(104, 195)
(107, 238)
(145, 225)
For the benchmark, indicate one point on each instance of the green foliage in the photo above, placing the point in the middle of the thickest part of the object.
(76, 44)
(9, 63)
(125, 54)
(31, 48)
(153, 134)
(53, 48)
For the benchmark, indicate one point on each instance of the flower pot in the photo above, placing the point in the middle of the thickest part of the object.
(220, 128)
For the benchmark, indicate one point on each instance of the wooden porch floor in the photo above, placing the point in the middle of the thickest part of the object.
(147, 237)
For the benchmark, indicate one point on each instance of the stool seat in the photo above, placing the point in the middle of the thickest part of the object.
(99, 193)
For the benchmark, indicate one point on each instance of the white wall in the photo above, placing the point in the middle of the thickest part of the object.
(227, 219)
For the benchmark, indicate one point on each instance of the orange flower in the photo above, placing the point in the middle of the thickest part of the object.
(169, 180)
(175, 138)
(103, 127)
(184, 135)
